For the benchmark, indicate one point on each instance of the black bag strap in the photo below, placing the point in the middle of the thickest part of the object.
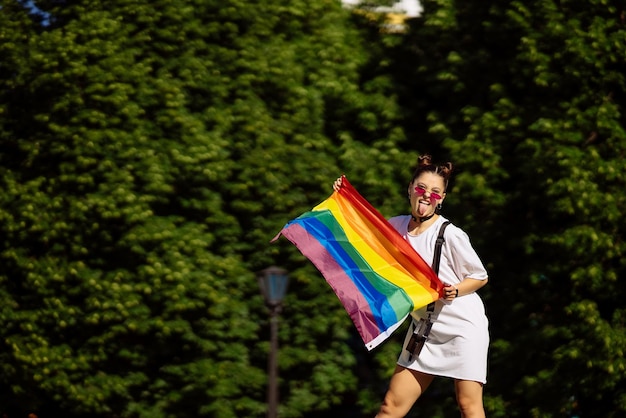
(437, 258)
(438, 245)
(422, 330)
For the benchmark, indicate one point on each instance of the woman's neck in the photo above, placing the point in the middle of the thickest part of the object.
(417, 226)
(422, 219)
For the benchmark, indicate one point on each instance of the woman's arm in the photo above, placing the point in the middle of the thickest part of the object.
(466, 287)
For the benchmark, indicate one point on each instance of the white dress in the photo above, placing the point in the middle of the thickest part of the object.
(459, 338)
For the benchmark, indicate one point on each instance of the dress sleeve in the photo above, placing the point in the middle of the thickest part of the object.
(463, 258)
(399, 223)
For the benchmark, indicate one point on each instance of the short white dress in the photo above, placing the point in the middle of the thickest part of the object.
(459, 339)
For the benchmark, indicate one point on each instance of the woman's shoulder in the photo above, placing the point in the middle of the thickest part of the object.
(452, 229)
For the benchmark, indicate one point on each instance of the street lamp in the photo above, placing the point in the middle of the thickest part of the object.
(273, 283)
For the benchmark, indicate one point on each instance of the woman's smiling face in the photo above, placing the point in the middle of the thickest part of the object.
(426, 192)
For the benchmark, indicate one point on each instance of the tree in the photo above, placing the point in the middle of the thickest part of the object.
(112, 293)
(150, 151)
(528, 99)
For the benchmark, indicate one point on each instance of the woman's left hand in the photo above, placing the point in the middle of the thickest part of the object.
(450, 292)
(337, 184)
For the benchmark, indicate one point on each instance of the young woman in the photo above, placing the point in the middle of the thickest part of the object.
(457, 344)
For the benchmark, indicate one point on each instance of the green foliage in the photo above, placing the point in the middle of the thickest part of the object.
(149, 151)
(114, 296)
(528, 99)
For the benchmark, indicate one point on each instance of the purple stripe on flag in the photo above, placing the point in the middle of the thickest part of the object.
(345, 289)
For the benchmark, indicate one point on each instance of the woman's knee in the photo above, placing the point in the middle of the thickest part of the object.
(469, 396)
(404, 389)
(393, 406)
(470, 406)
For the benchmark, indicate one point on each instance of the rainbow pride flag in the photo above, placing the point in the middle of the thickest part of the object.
(375, 273)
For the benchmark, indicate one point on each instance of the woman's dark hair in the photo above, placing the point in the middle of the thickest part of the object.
(425, 165)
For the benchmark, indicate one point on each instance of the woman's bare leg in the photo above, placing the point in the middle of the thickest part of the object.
(469, 396)
(405, 388)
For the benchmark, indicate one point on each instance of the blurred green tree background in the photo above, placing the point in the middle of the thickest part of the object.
(150, 150)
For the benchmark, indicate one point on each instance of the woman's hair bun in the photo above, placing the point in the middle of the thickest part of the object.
(424, 160)
(446, 169)
(425, 163)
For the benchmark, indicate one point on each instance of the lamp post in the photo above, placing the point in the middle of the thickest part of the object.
(273, 283)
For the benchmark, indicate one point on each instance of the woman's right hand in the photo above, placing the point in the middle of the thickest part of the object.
(337, 184)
